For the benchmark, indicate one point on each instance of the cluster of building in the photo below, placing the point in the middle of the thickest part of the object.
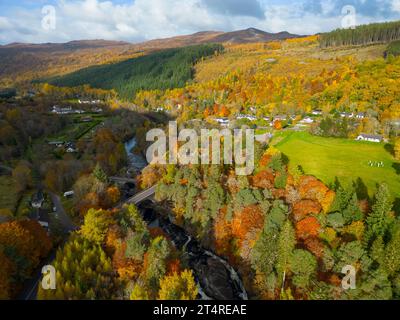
(68, 146)
(306, 121)
(352, 115)
(246, 116)
(370, 138)
(39, 213)
(89, 101)
(69, 110)
(224, 121)
(66, 110)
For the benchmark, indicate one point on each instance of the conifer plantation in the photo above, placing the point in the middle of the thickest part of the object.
(166, 69)
(362, 35)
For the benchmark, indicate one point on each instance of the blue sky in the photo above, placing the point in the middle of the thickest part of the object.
(140, 20)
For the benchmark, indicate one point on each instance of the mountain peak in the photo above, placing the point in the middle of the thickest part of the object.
(253, 35)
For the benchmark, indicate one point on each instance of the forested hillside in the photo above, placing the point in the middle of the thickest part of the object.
(362, 35)
(20, 62)
(161, 70)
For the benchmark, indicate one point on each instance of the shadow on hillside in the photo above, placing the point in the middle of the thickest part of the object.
(389, 148)
(396, 167)
(358, 186)
(396, 207)
(159, 117)
(361, 189)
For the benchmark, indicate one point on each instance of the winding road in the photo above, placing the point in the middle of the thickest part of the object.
(30, 289)
(64, 218)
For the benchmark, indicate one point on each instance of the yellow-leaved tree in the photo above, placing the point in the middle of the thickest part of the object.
(397, 149)
(178, 287)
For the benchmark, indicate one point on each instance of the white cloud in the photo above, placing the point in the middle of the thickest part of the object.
(5, 24)
(140, 20)
(396, 5)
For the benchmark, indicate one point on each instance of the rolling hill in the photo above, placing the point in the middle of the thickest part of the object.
(54, 47)
(21, 62)
(165, 69)
(250, 35)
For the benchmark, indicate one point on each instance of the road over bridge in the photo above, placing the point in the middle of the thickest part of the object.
(141, 196)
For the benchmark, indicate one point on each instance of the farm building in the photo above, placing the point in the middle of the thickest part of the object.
(370, 138)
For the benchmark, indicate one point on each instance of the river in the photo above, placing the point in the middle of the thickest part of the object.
(216, 279)
(135, 161)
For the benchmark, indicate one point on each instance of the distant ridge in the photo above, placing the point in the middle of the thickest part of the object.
(250, 35)
(72, 45)
(24, 61)
(253, 35)
(241, 36)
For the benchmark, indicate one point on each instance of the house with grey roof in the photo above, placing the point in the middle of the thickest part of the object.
(370, 138)
(37, 200)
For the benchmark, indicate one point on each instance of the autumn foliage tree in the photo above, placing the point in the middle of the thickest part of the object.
(278, 125)
(305, 207)
(22, 245)
(84, 260)
(178, 286)
(308, 227)
(96, 226)
(397, 149)
(246, 227)
(22, 175)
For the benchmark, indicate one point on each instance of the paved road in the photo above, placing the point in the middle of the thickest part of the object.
(64, 218)
(30, 290)
(140, 197)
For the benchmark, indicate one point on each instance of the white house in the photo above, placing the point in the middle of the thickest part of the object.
(346, 115)
(360, 115)
(281, 117)
(69, 194)
(307, 120)
(89, 101)
(71, 150)
(37, 200)
(317, 112)
(70, 147)
(370, 138)
(246, 116)
(97, 110)
(223, 121)
(65, 110)
(162, 109)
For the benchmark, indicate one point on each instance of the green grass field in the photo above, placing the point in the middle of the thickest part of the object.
(8, 193)
(75, 131)
(327, 158)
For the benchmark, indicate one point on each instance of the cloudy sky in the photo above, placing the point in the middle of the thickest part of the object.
(138, 20)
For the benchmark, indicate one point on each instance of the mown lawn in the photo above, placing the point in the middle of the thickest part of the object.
(348, 160)
(24, 206)
(74, 131)
(8, 193)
